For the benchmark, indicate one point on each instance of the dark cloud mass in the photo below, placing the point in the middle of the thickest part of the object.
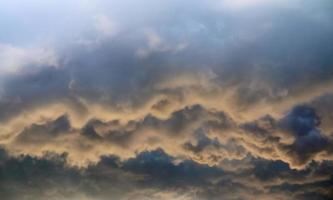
(184, 100)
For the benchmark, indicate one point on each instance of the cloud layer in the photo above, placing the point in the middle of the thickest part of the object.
(166, 99)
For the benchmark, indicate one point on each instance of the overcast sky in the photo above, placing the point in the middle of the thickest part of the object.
(166, 99)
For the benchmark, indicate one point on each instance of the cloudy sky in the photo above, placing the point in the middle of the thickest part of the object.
(166, 99)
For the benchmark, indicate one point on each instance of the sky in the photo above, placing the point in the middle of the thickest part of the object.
(166, 99)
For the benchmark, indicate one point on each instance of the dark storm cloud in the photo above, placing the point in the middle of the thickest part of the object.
(281, 52)
(188, 117)
(29, 88)
(209, 135)
(24, 177)
(301, 126)
(308, 191)
(97, 137)
(48, 131)
(160, 167)
(153, 169)
(90, 132)
(301, 121)
(202, 142)
(262, 128)
(34, 89)
(219, 99)
(295, 183)
(111, 178)
(304, 123)
(179, 123)
(323, 108)
(281, 58)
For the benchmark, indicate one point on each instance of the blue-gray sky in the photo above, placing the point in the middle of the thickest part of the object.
(147, 99)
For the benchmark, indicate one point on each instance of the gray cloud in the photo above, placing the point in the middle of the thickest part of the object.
(166, 100)
(112, 178)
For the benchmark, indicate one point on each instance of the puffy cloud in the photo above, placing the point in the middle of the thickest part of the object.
(303, 122)
(166, 100)
(151, 175)
(204, 135)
